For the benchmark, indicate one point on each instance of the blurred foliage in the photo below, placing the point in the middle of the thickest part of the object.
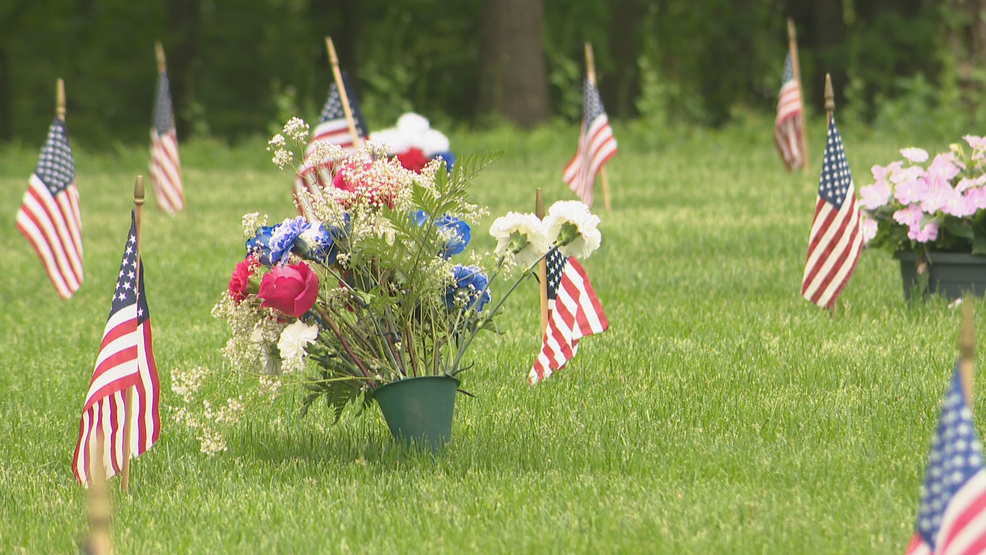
(238, 67)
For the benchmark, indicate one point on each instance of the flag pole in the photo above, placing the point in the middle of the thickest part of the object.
(343, 94)
(128, 398)
(967, 350)
(99, 503)
(829, 110)
(792, 39)
(162, 65)
(590, 69)
(542, 266)
(60, 99)
(829, 100)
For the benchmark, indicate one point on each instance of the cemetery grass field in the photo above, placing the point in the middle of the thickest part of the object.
(721, 413)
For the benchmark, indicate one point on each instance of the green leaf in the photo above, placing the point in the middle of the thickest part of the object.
(979, 245)
(959, 228)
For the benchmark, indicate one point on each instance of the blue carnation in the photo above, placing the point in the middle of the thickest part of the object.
(459, 240)
(316, 243)
(283, 238)
(259, 245)
(449, 159)
(470, 281)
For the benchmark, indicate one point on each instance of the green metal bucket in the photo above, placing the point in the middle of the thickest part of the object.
(419, 410)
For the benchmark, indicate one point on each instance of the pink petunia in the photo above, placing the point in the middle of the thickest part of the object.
(924, 234)
(976, 198)
(943, 167)
(910, 216)
(912, 190)
(880, 173)
(876, 195)
(909, 174)
(977, 143)
(958, 205)
(869, 227)
(914, 154)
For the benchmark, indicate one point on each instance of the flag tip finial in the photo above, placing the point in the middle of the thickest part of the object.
(139, 190)
(162, 64)
(60, 99)
(829, 96)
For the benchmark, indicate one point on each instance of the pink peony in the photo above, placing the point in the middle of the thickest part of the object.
(876, 195)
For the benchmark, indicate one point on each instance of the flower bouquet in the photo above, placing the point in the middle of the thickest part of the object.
(929, 213)
(379, 287)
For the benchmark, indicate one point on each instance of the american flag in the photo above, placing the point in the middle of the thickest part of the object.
(573, 313)
(165, 168)
(332, 127)
(596, 146)
(952, 514)
(835, 241)
(125, 360)
(787, 127)
(49, 216)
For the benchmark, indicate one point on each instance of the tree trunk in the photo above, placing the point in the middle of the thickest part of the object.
(513, 75)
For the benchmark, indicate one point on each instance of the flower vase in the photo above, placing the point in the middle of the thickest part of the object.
(950, 274)
(419, 410)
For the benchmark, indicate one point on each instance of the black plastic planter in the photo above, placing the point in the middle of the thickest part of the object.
(949, 274)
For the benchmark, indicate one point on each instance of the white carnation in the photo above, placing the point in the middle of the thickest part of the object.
(586, 225)
(292, 344)
(527, 225)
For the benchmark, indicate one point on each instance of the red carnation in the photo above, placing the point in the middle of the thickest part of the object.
(239, 284)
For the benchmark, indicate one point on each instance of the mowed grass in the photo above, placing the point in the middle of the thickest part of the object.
(721, 413)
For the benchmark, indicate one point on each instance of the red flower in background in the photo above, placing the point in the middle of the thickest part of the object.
(413, 159)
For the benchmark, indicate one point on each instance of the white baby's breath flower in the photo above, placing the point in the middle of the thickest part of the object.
(292, 344)
(520, 234)
(282, 158)
(276, 142)
(571, 226)
(296, 128)
(252, 222)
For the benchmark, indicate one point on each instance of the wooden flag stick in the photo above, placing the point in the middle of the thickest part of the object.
(967, 350)
(343, 93)
(162, 65)
(590, 69)
(829, 110)
(829, 100)
(542, 266)
(99, 503)
(60, 99)
(128, 398)
(792, 39)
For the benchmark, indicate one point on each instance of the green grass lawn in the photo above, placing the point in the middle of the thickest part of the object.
(721, 413)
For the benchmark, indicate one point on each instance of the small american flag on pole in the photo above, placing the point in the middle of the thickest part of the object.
(165, 167)
(333, 128)
(952, 514)
(49, 216)
(125, 360)
(596, 146)
(787, 127)
(835, 240)
(573, 313)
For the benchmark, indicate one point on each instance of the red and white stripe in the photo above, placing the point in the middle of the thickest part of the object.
(787, 126)
(963, 528)
(117, 369)
(53, 225)
(596, 146)
(575, 314)
(145, 420)
(316, 177)
(833, 250)
(166, 171)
